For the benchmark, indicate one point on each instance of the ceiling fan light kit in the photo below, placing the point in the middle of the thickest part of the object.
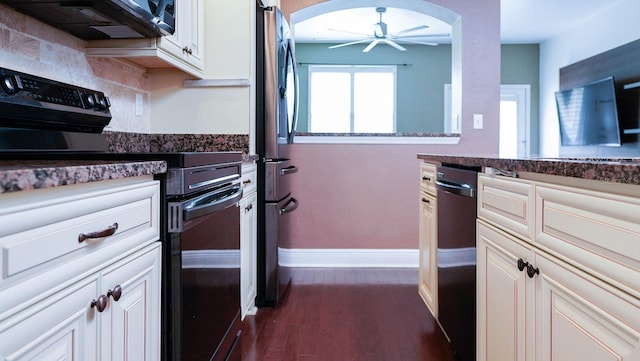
(380, 35)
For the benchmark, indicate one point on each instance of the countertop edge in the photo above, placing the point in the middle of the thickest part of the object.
(609, 170)
(24, 175)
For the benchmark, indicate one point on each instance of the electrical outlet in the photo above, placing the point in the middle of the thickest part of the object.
(139, 111)
(477, 121)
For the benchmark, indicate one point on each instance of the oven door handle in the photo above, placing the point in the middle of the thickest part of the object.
(211, 202)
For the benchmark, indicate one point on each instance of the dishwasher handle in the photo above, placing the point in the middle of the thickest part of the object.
(461, 189)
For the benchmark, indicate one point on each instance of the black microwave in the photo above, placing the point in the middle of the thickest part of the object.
(103, 19)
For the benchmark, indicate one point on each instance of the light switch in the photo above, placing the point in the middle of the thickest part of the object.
(477, 121)
(139, 105)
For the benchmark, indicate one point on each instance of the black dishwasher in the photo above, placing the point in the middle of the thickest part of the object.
(456, 191)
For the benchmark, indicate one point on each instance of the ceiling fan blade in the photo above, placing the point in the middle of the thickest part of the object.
(396, 36)
(349, 32)
(350, 43)
(370, 46)
(394, 44)
(413, 29)
(419, 42)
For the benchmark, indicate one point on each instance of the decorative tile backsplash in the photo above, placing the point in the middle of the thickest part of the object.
(32, 47)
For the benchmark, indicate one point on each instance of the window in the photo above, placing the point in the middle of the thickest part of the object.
(352, 99)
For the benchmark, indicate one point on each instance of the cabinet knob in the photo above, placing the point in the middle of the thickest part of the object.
(116, 293)
(100, 304)
(248, 207)
(532, 271)
(187, 50)
(522, 264)
(426, 200)
(247, 181)
(428, 179)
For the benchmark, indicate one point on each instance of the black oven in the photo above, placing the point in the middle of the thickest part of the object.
(200, 217)
(202, 258)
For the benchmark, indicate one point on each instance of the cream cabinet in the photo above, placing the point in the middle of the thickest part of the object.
(540, 299)
(248, 240)
(428, 239)
(184, 49)
(81, 272)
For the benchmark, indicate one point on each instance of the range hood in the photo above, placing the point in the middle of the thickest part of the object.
(103, 19)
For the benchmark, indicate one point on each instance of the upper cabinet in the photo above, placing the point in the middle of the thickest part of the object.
(183, 50)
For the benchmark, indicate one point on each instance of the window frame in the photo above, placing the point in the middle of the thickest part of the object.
(353, 69)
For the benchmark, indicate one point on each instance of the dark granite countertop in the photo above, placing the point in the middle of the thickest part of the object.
(617, 170)
(19, 175)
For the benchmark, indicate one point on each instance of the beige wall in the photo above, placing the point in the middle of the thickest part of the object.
(366, 196)
(230, 54)
(29, 46)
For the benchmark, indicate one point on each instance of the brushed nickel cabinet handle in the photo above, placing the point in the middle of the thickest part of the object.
(100, 304)
(116, 293)
(109, 231)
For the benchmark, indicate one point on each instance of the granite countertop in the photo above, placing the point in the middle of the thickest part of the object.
(19, 175)
(617, 170)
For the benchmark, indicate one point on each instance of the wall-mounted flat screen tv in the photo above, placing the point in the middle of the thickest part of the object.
(588, 114)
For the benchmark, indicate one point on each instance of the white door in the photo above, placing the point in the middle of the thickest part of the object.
(514, 120)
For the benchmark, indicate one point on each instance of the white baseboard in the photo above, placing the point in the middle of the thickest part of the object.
(348, 257)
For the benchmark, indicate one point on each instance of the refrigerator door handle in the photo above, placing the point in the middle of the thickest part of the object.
(288, 170)
(291, 58)
(290, 206)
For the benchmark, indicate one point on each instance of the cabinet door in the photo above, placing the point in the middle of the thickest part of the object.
(505, 294)
(428, 270)
(130, 326)
(61, 327)
(248, 253)
(186, 43)
(582, 318)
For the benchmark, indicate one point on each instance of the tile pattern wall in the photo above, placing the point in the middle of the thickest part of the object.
(29, 46)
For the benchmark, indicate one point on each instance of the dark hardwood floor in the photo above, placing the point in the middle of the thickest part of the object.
(346, 314)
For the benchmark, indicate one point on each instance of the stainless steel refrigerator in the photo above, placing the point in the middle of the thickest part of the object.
(276, 116)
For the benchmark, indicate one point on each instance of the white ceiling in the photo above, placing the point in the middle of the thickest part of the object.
(522, 21)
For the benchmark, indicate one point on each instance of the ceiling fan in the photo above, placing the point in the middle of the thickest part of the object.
(380, 35)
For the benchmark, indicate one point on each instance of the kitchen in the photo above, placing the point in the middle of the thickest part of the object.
(30, 45)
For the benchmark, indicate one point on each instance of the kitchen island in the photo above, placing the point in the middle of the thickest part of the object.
(558, 255)
(615, 170)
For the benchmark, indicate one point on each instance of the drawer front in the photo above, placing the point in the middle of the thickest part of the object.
(597, 231)
(508, 203)
(47, 233)
(249, 178)
(428, 178)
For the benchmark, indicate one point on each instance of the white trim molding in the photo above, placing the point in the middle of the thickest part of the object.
(348, 257)
(318, 139)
